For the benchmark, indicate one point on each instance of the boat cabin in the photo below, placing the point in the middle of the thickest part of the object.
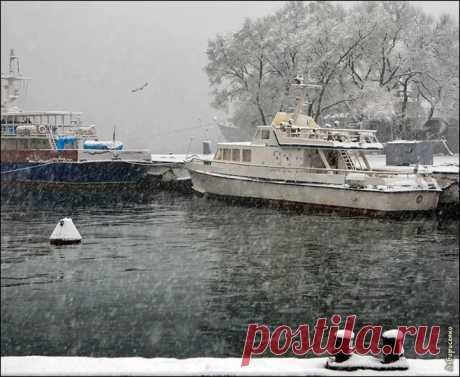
(303, 147)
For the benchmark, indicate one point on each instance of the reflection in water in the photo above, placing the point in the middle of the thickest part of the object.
(183, 276)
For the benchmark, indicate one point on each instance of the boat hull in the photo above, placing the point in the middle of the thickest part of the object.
(116, 178)
(314, 195)
(71, 172)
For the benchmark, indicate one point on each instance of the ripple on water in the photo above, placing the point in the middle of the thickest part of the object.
(195, 272)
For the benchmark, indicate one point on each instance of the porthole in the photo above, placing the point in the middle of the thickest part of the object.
(419, 198)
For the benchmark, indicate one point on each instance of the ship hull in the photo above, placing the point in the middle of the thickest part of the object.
(90, 177)
(314, 195)
(55, 172)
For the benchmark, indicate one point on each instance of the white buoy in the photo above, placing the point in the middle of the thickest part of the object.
(65, 233)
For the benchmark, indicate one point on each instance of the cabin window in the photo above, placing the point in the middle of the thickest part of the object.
(265, 134)
(247, 155)
(236, 155)
(227, 154)
(218, 155)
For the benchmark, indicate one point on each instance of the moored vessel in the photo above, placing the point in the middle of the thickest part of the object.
(54, 148)
(295, 161)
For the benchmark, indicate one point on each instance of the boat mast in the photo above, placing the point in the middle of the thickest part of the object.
(299, 90)
(10, 84)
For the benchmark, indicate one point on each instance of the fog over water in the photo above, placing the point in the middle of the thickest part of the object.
(86, 56)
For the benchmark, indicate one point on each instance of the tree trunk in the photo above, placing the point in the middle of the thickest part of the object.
(259, 107)
(310, 109)
(430, 114)
(261, 112)
(320, 100)
(404, 102)
(403, 127)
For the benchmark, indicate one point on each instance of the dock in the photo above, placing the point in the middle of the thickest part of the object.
(170, 170)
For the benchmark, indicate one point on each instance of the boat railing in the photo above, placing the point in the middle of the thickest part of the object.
(37, 130)
(329, 134)
(61, 120)
(346, 172)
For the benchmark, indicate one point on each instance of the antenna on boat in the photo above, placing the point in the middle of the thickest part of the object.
(10, 86)
(299, 90)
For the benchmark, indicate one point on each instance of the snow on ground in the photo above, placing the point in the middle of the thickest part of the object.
(45, 365)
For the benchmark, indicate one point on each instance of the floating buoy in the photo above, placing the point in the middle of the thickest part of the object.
(65, 233)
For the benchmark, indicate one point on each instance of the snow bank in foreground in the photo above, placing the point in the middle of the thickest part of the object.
(43, 365)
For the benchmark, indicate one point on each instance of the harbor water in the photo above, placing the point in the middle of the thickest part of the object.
(183, 276)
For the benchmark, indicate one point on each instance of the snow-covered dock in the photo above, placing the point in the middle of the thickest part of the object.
(44, 365)
(171, 167)
(178, 158)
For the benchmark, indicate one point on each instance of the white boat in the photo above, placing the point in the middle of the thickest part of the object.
(293, 160)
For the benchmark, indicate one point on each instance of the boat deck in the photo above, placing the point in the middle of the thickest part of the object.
(441, 164)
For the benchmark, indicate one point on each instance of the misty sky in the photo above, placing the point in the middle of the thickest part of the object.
(87, 56)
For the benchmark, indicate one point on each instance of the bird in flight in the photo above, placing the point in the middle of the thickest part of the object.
(140, 88)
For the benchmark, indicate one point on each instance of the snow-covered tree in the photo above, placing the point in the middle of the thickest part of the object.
(370, 61)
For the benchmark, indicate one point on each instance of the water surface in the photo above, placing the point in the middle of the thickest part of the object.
(182, 276)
